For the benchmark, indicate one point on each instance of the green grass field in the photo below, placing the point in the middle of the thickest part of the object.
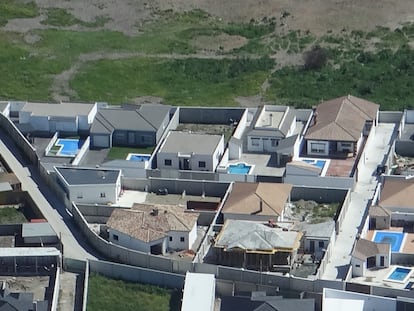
(106, 294)
(11, 215)
(376, 65)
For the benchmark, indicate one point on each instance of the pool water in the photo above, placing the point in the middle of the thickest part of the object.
(399, 274)
(138, 157)
(239, 168)
(318, 163)
(69, 147)
(393, 238)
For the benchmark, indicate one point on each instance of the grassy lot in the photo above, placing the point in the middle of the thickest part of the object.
(376, 65)
(120, 153)
(11, 215)
(12, 9)
(203, 82)
(109, 294)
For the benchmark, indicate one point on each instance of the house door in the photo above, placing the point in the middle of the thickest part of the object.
(372, 223)
(371, 262)
(382, 261)
(131, 138)
(186, 164)
(312, 246)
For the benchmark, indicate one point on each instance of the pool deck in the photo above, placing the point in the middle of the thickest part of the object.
(377, 277)
(408, 247)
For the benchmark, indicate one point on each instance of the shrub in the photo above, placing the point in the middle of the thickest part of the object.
(315, 59)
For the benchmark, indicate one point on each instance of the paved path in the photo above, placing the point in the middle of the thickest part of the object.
(54, 211)
(374, 152)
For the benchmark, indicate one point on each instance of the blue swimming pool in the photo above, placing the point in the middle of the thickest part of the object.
(69, 147)
(239, 168)
(318, 163)
(390, 237)
(399, 274)
(138, 157)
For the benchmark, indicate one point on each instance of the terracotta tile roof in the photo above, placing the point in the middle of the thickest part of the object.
(143, 224)
(246, 198)
(397, 193)
(366, 248)
(378, 211)
(342, 119)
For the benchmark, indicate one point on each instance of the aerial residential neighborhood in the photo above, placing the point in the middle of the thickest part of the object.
(327, 216)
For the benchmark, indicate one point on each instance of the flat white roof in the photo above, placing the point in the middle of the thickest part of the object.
(28, 251)
(342, 304)
(271, 117)
(199, 291)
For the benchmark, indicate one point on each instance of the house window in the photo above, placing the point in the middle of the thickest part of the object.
(115, 237)
(321, 244)
(103, 195)
(274, 142)
(255, 142)
(170, 238)
(201, 163)
(182, 239)
(80, 196)
(346, 145)
(358, 266)
(317, 148)
(167, 162)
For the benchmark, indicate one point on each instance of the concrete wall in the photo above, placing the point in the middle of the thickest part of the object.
(402, 259)
(404, 148)
(55, 298)
(344, 209)
(136, 274)
(19, 139)
(51, 143)
(208, 115)
(320, 195)
(390, 116)
(84, 149)
(85, 287)
(322, 182)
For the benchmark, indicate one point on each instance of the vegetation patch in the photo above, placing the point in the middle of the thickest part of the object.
(11, 215)
(10, 9)
(181, 82)
(109, 294)
(121, 153)
(61, 17)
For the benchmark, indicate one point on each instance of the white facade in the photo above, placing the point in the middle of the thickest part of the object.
(359, 266)
(174, 240)
(191, 161)
(101, 194)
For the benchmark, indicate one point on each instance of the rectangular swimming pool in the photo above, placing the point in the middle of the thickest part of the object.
(399, 274)
(239, 168)
(138, 157)
(317, 163)
(394, 238)
(69, 147)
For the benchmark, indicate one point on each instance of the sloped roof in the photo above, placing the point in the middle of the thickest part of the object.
(143, 118)
(322, 230)
(247, 198)
(142, 224)
(341, 119)
(366, 248)
(397, 193)
(256, 237)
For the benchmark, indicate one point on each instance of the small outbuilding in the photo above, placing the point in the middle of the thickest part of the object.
(368, 254)
(39, 233)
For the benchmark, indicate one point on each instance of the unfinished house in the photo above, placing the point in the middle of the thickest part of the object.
(379, 218)
(153, 229)
(257, 201)
(339, 126)
(367, 254)
(257, 245)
